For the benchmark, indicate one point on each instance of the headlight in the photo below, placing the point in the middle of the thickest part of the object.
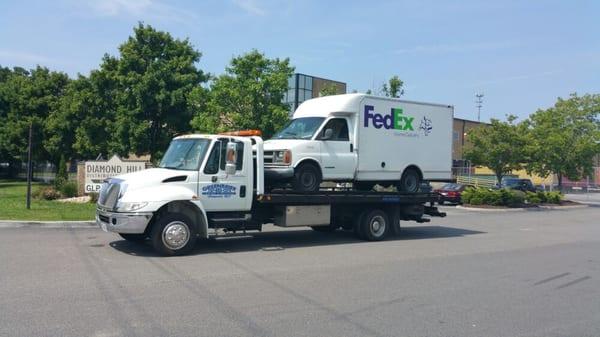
(130, 206)
(283, 157)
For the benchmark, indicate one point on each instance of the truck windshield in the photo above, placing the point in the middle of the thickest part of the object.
(300, 128)
(185, 154)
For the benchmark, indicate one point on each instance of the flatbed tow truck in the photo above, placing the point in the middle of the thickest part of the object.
(207, 185)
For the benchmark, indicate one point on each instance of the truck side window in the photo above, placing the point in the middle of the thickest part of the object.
(339, 127)
(212, 164)
(240, 156)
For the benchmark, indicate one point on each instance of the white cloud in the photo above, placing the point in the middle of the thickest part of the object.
(251, 7)
(455, 48)
(19, 57)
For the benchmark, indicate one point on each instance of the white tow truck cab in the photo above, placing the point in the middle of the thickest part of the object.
(207, 185)
(365, 140)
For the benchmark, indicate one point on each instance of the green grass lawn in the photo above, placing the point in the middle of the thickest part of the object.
(13, 205)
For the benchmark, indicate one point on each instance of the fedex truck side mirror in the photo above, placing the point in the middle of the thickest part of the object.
(231, 158)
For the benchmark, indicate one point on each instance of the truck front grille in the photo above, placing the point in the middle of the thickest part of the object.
(268, 157)
(109, 194)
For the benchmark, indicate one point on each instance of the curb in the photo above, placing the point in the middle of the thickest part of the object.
(539, 208)
(47, 224)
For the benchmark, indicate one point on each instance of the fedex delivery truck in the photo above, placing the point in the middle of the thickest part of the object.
(363, 139)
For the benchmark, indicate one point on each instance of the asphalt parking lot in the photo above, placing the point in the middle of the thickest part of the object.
(531, 273)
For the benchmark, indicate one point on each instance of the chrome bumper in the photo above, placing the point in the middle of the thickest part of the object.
(127, 223)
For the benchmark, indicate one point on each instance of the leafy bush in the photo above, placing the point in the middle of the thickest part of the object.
(47, 193)
(533, 198)
(553, 197)
(485, 196)
(93, 197)
(69, 189)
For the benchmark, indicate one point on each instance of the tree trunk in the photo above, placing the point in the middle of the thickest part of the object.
(499, 178)
(560, 177)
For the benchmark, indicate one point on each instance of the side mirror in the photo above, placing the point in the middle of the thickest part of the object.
(231, 158)
(327, 134)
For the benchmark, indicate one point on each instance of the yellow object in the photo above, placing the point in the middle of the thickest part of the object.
(535, 179)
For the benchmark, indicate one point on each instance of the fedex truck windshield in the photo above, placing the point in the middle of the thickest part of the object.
(300, 128)
(185, 154)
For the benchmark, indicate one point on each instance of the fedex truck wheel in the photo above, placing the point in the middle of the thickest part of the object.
(307, 178)
(410, 181)
(173, 234)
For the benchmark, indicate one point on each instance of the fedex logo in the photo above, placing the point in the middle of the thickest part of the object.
(394, 120)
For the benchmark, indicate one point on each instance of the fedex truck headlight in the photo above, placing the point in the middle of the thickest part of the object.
(283, 157)
(131, 206)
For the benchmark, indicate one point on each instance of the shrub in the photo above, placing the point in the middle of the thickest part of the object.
(553, 197)
(69, 189)
(485, 196)
(516, 198)
(532, 198)
(467, 194)
(476, 200)
(47, 193)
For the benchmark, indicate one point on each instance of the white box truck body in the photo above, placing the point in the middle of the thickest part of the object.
(363, 139)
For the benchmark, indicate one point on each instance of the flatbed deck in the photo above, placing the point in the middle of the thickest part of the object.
(322, 197)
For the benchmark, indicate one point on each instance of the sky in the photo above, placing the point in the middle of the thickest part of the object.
(521, 55)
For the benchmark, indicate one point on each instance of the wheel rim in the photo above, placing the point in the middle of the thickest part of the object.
(308, 179)
(410, 182)
(176, 235)
(377, 225)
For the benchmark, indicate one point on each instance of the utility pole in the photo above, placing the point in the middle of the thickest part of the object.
(478, 104)
(29, 167)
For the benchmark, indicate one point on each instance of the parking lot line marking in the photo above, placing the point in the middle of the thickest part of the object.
(573, 282)
(551, 279)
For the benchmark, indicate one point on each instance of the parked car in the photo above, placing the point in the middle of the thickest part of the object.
(451, 192)
(524, 185)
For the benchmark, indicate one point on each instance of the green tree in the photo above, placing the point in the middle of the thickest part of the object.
(499, 146)
(155, 76)
(28, 97)
(328, 90)
(394, 88)
(248, 96)
(563, 138)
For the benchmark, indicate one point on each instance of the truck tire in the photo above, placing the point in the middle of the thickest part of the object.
(410, 181)
(134, 237)
(374, 225)
(307, 178)
(173, 234)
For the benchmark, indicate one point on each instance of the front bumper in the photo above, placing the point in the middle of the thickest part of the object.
(126, 223)
(278, 173)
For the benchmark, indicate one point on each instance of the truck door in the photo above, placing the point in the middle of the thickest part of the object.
(219, 191)
(337, 151)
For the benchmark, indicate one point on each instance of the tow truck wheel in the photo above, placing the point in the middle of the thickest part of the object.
(374, 225)
(410, 181)
(133, 237)
(173, 234)
(307, 178)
